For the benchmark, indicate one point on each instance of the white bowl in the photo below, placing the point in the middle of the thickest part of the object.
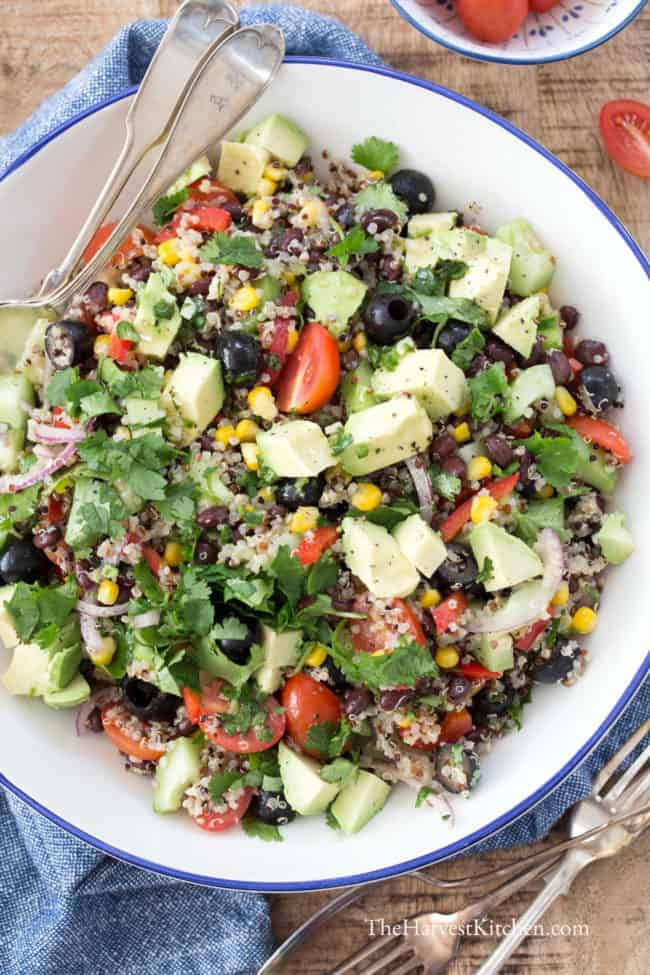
(572, 27)
(79, 782)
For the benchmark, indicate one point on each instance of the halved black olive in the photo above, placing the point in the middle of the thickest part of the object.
(68, 343)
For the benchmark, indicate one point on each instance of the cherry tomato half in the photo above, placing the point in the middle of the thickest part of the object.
(113, 715)
(625, 128)
(311, 373)
(307, 702)
(247, 741)
(209, 701)
(454, 725)
(119, 349)
(207, 219)
(492, 20)
(314, 543)
(382, 631)
(215, 822)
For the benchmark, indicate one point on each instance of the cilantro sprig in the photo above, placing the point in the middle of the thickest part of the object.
(488, 390)
(222, 249)
(355, 243)
(137, 461)
(402, 667)
(165, 208)
(376, 154)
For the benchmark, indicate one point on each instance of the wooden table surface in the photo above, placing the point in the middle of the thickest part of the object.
(44, 42)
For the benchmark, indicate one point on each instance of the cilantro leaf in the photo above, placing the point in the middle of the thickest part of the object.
(230, 628)
(376, 154)
(380, 196)
(439, 308)
(98, 403)
(465, 351)
(208, 657)
(262, 831)
(222, 249)
(548, 513)
(136, 461)
(289, 574)
(220, 782)
(179, 507)
(354, 242)
(423, 795)
(331, 820)
(432, 281)
(446, 485)
(34, 607)
(322, 575)
(386, 515)
(101, 519)
(487, 390)
(557, 458)
(59, 384)
(340, 770)
(487, 570)
(402, 667)
(125, 330)
(165, 208)
(340, 441)
(319, 738)
(252, 591)
(144, 384)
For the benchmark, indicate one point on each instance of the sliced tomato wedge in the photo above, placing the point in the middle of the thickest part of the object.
(625, 128)
(307, 702)
(379, 632)
(454, 725)
(207, 219)
(314, 543)
(248, 741)
(119, 349)
(209, 701)
(215, 822)
(476, 671)
(457, 519)
(449, 610)
(311, 373)
(526, 641)
(125, 252)
(212, 190)
(192, 702)
(137, 748)
(603, 434)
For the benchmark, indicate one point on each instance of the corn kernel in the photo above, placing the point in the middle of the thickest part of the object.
(267, 494)
(173, 555)
(275, 172)
(266, 187)
(482, 507)
(344, 345)
(561, 597)
(461, 433)
(225, 434)
(292, 339)
(565, 401)
(246, 431)
(107, 592)
(367, 497)
(405, 723)
(479, 468)
(249, 453)
(304, 520)
(359, 341)
(101, 346)
(447, 657)
(376, 174)
(546, 492)
(262, 402)
(289, 277)
(62, 486)
(430, 598)
(261, 214)
(168, 252)
(103, 656)
(119, 296)
(584, 620)
(317, 657)
(244, 299)
(313, 212)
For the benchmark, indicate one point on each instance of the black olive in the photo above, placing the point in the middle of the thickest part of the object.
(22, 562)
(459, 568)
(272, 808)
(335, 676)
(415, 189)
(237, 648)
(491, 701)
(599, 387)
(457, 769)
(295, 492)
(389, 317)
(558, 665)
(458, 688)
(68, 343)
(148, 702)
(241, 356)
(451, 335)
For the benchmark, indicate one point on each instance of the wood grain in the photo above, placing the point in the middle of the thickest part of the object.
(42, 44)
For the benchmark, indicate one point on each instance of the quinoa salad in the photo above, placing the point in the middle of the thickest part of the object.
(306, 494)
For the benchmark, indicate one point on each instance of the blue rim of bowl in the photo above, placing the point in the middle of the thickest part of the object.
(507, 819)
(497, 59)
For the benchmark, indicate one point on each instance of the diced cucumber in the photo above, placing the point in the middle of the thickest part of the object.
(306, 792)
(495, 652)
(179, 767)
(530, 386)
(359, 801)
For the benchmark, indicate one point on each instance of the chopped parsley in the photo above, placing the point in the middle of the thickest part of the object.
(340, 770)
(465, 351)
(262, 831)
(376, 154)
(354, 242)
(402, 667)
(222, 249)
(35, 607)
(165, 208)
(488, 391)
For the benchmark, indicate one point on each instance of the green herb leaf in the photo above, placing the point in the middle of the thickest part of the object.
(262, 831)
(165, 208)
(465, 351)
(432, 281)
(380, 196)
(340, 770)
(125, 330)
(423, 795)
(488, 390)
(230, 628)
(220, 783)
(448, 486)
(98, 404)
(222, 249)
(137, 461)
(402, 667)
(386, 515)
(354, 242)
(340, 441)
(34, 607)
(102, 519)
(328, 739)
(331, 820)
(322, 575)
(144, 384)
(376, 154)
(487, 570)
(557, 458)
(289, 574)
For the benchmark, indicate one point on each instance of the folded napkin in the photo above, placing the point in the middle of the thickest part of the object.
(65, 907)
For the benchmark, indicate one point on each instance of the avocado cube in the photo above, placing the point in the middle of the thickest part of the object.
(27, 673)
(615, 539)
(422, 546)
(156, 334)
(241, 166)
(16, 392)
(486, 278)
(359, 801)
(429, 375)
(298, 448)
(419, 252)
(334, 297)
(142, 412)
(306, 792)
(10, 449)
(460, 244)
(495, 652)
(374, 556)
(385, 434)
(356, 390)
(517, 327)
(510, 559)
(193, 396)
(281, 137)
(280, 651)
(63, 667)
(197, 170)
(71, 696)
(32, 362)
(8, 635)
(426, 224)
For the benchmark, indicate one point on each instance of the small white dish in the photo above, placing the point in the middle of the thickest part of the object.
(474, 158)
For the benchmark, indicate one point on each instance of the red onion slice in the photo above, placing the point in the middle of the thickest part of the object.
(44, 433)
(11, 483)
(529, 601)
(422, 482)
(90, 634)
(142, 620)
(101, 612)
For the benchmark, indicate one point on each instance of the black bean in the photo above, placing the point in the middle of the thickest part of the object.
(443, 446)
(185, 728)
(292, 241)
(459, 568)
(47, 538)
(379, 220)
(207, 441)
(140, 269)
(200, 287)
(389, 268)
(205, 553)
(357, 700)
(569, 316)
(537, 356)
(96, 297)
(526, 461)
(455, 466)
(397, 698)
(498, 351)
(560, 367)
(235, 210)
(83, 578)
(499, 450)
(591, 353)
(213, 516)
(478, 364)
(345, 216)
(456, 771)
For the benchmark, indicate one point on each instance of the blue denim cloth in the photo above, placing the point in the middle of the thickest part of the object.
(65, 907)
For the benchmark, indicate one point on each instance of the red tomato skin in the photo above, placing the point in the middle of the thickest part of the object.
(152, 558)
(208, 219)
(541, 6)
(371, 635)
(448, 611)
(476, 671)
(314, 543)
(603, 434)
(247, 742)
(125, 744)
(54, 509)
(625, 129)
(525, 642)
(192, 702)
(119, 349)
(127, 249)
(492, 21)
(311, 373)
(308, 702)
(212, 190)
(454, 725)
(457, 519)
(214, 822)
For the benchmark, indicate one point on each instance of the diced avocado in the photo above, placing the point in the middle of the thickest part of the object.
(142, 412)
(280, 650)
(193, 396)
(297, 448)
(360, 800)
(419, 252)
(206, 476)
(32, 362)
(156, 333)
(10, 448)
(281, 137)
(197, 170)
(595, 468)
(425, 224)
(495, 652)
(70, 696)
(615, 539)
(63, 667)
(517, 327)
(356, 390)
(178, 768)
(28, 671)
(530, 386)
(334, 297)
(550, 331)
(305, 790)
(16, 393)
(429, 375)
(423, 547)
(385, 434)
(241, 166)
(460, 244)
(486, 277)
(373, 556)
(532, 266)
(86, 492)
(511, 561)
(8, 635)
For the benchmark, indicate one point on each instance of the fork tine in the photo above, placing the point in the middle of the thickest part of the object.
(608, 770)
(364, 952)
(636, 792)
(626, 778)
(395, 955)
(408, 966)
